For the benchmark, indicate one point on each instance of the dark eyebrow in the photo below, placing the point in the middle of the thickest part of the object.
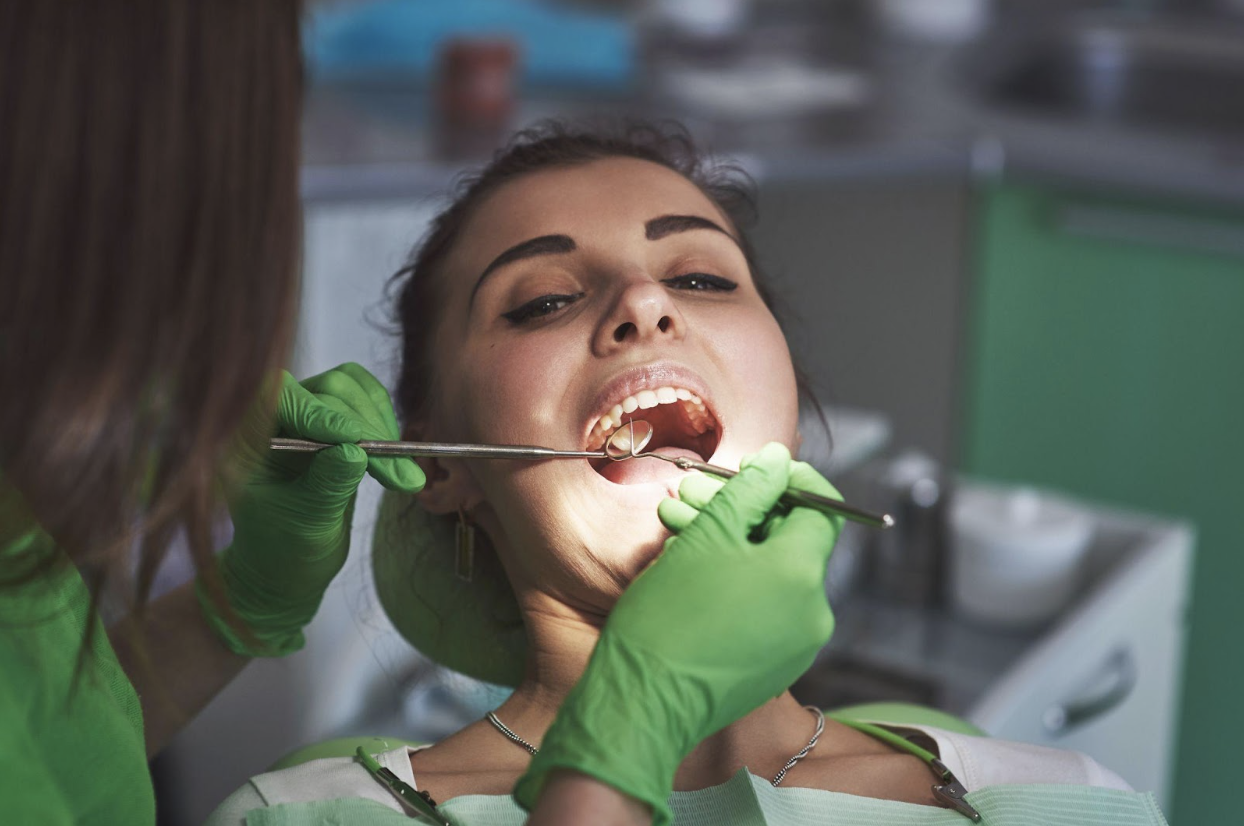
(543, 245)
(658, 228)
(654, 230)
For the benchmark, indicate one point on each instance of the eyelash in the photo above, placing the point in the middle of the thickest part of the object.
(702, 282)
(539, 307)
(543, 306)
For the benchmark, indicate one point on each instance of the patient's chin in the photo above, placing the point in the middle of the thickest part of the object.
(622, 537)
(644, 554)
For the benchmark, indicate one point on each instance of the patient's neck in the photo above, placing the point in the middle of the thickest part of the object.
(560, 643)
(560, 640)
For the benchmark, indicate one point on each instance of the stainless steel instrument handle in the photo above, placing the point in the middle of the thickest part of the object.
(796, 497)
(376, 447)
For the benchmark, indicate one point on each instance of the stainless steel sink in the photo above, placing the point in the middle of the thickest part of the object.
(1181, 74)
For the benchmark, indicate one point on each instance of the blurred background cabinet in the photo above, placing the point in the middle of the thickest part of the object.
(1101, 678)
(1106, 350)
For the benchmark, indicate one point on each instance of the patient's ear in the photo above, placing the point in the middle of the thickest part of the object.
(450, 485)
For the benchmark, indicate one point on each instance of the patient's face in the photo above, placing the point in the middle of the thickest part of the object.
(576, 298)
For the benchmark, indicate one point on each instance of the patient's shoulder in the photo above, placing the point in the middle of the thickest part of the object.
(471, 761)
(327, 779)
(233, 810)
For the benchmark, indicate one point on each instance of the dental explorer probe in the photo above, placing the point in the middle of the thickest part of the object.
(622, 446)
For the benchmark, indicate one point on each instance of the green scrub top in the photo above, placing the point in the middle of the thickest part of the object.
(68, 754)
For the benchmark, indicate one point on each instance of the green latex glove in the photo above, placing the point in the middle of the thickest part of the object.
(291, 519)
(727, 618)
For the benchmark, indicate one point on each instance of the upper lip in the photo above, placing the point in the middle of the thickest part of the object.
(630, 381)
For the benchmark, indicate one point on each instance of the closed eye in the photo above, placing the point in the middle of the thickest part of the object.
(701, 281)
(539, 307)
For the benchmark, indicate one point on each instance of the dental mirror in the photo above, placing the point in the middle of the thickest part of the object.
(626, 443)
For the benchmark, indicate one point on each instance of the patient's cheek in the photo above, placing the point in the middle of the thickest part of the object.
(766, 369)
(512, 394)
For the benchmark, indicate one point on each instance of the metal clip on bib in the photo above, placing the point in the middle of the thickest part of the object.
(950, 793)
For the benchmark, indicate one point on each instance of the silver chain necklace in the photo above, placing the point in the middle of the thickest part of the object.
(777, 778)
(509, 732)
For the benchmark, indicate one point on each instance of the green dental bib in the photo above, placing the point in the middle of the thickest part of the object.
(748, 800)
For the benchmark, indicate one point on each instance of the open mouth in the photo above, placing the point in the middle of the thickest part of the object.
(682, 424)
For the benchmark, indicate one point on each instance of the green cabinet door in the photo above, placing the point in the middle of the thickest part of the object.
(1106, 358)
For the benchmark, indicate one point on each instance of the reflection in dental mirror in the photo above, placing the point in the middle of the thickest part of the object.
(627, 443)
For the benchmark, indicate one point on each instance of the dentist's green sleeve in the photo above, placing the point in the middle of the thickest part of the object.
(72, 750)
(292, 518)
(730, 614)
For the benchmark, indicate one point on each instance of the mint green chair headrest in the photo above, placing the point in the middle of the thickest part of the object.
(339, 747)
(900, 714)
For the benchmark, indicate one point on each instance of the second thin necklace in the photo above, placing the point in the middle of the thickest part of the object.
(777, 778)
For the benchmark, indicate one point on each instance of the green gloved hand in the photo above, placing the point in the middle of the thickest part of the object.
(727, 618)
(291, 519)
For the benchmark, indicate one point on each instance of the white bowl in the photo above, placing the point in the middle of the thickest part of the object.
(1016, 554)
(933, 20)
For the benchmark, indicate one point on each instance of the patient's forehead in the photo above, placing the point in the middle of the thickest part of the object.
(589, 201)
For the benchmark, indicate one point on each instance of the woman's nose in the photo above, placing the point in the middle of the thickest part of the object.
(644, 311)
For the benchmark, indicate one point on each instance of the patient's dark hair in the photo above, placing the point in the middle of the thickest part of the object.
(549, 145)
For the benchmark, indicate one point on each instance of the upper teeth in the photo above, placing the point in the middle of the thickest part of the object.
(611, 419)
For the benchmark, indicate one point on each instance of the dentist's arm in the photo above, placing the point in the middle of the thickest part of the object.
(291, 522)
(571, 798)
(176, 662)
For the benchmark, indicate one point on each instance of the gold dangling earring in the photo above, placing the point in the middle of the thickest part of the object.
(464, 548)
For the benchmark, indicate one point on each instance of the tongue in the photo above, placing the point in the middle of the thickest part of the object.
(640, 470)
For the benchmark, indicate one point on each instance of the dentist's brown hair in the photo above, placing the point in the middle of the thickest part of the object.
(149, 236)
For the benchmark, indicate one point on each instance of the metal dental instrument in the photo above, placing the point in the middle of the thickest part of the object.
(376, 447)
(622, 446)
